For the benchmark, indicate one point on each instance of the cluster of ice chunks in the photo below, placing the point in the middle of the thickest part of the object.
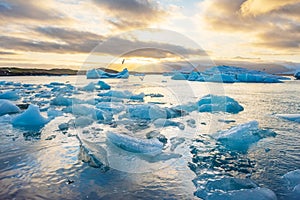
(229, 74)
(98, 73)
(242, 136)
(7, 107)
(101, 85)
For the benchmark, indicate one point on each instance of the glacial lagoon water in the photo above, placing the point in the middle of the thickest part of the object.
(48, 164)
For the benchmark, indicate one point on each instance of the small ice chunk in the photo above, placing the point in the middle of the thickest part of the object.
(290, 117)
(52, 113)
(83, 121)
(89, 87)
(179, 76)
(112, 107)
(191, 123)
(98, 73)
(146, 112)
(63, 126)
(297, 75)
(167, 122)
(103, 85)
(61, 101)
(123, 95)
(144, 146)
(31, 118)
(7, 107)
(11, 95)
(214, 103)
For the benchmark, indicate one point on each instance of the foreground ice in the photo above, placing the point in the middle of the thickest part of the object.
(291, 117)
(123, 95)
(242, 136)
(98, 73)
(293, 182)
(31, 118)
(144, 146)
(214, 103)
(7, 107)
(245, 194)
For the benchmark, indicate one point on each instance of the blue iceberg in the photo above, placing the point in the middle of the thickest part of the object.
(103, 85)
(297, 75)
(11, 95)
(7, 107)
(214, 103)
(180, 76)
(98, 73)
(242, 136)
(31, 118)
(143, 146)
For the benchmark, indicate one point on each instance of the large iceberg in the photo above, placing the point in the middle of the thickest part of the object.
(98, 73)
(31, 118)
(214, 103)
(241, 137)
(7, 107)
(143, 146)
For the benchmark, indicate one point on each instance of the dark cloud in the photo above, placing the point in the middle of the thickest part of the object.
(271, 23)
(7, 53)
(29, 10)
(129, 14)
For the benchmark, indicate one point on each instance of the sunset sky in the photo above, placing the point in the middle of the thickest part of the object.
(62, 33)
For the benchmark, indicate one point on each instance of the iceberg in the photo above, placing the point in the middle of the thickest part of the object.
(98, 73)
(146, 112)
(214, 103)
(166, 122)
(112, 107)
(103, 85)
(11, 95)
(242, 136)
(135, 145)
(290, 117)
(297, 75)
(31, 118)
(89, 87)
(7, 107)
(61, 101)
(123, 95)
(180, 76)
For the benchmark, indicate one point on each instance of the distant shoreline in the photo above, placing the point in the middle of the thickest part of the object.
(14, 71)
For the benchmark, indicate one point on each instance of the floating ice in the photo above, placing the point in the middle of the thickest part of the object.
(146, 112)
(292, 177)
(144, 146)
(167, 122)
(179, 76)
(98, 73)
(123, 95)
(297, 75)
(83, 121)
(89, 87)
(241, 137)
(11, 95)
(214, 103)
(61, 101)
(7, 107)
(111, 107)
(247, 194)
(52, 113)
(103, 85)
(63, 126)
(291, 117)
(31, 118)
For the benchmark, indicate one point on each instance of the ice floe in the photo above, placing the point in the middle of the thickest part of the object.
(214, 103)
(136, 145)
(31, 118)
(7, 107)
(11, 95)
(242, 136)
(98, 73)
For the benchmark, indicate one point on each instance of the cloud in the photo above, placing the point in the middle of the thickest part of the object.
(272, 24)
(24, 11)
(257, 7)
(131, 14)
